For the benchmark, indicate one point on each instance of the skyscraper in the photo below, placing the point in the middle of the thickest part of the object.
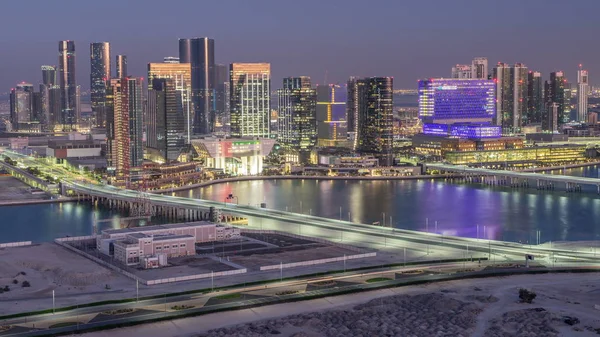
(582, 94)
(297, 122)
(132, 87)
(374, 123)
(185, 50)
(250, 87)
(555, 92)
(69, 116)
(535, 97)
(99, 75)
(331, 115)
(117, 130)
(50, 96)
(203, 79)
(221, 100)
(21, 106)
(351, 104)
(49, 75)
(166, 133)
(462, 71)
(479, 68)
(180, 73)
(121, 68)
(511, 96)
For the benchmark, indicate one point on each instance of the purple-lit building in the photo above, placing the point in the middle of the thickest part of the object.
(463, 108)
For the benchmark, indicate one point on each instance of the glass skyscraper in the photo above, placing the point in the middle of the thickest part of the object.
(203, 80)
(133, 92)
(535, 97)
(99, 75)
(250, 87)
(555, 92)
(50, 96)
(297, 123)
(21, 106)
(121, 66)
(185, 50)
(511, 96)
(166, 133)
(331, 115)
(69, 115)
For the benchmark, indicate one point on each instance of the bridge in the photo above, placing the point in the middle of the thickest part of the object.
(517, 178)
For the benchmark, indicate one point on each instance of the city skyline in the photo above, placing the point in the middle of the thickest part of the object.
(404, 52)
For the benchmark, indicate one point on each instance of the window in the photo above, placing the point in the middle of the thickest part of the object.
(158, 248)
(174, 246)
(182, 245)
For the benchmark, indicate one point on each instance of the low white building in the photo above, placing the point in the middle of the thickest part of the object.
(237, 156)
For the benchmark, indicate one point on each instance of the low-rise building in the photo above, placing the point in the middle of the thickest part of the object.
(236, 156)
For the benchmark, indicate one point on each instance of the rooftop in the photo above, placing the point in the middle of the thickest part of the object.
(157, 227)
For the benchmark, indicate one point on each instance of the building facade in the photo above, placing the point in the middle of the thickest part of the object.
(118, 145)
(332, 127)
(69, 115)
(511, 96)
(203, 80)
(185, 50)
(133, 88)
(121, 66)
(462, 71)
(374, 118)
(555, 91)
(22, 108)
(50, 96)
(236, 156)
(479, 68)
(100, 71)
(250, 99)
(297, 122)
(582, 95)
(535, 98)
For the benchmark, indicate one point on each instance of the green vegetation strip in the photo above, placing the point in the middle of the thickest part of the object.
(378, 279)
(62, 325)
(228, 296)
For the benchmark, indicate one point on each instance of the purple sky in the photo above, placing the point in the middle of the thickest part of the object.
(404, 39)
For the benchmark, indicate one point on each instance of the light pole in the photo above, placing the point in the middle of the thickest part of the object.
(405, 257)
(281, 271)
(340, 213)
(383, 219)
(212, 281)
(53, 303)
(427, 224)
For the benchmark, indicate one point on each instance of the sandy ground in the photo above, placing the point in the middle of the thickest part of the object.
(478, 307)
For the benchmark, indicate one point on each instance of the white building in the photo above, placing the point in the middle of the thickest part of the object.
(237, 156)
(582, 94)
(461, 71)
(479, 68)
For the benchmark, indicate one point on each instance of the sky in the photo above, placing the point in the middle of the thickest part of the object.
(328, 40)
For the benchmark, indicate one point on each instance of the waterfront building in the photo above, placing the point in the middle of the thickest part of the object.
(69, 115)
(250, 99)
(50, 95)
(331, 116)
(135, 100)
(166, 125)
(23, 108)
(511, 96)
(479, 68)
(462, 71)
(535, 98)
(203, 80)
(351, 105)
(582, 95)
(121, 68)
(555, 92)
(297, 122)
(553, 155)
(236, 156)
(374, 118)
(180, 73)
(99, 75)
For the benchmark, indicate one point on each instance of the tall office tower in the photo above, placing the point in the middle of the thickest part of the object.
(21, 106)
(582, 94)
(351, 105)
(99, 75)
(68, 86)
(132, 86)
(551, 117)
(166, 133)
(121, 66)
(50, 93)
(331, 115)
(180, 74)
(511, 96)
(555, 92)
(297, 120)
(203, 80)
(479, 68)
(49, 75)
(250, 99)
(117, 129)
(221, 100)
(462, 71)
(171, 59)
(535, 97)
(185, 50)
(374, 122)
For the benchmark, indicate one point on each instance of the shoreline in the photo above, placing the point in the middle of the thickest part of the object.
(34, 202)
(556, 168)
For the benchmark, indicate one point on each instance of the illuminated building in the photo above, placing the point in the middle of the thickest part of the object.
(551, 117)
(50, 96)
(185, 50)
(297, 122)
(234, 155)
(437, 146)
(69, 114)
(133, 87)
(331, 115)
(121, 66)
(535, 98)
(202, 52)
(180, 73)
(479, 68)
(462, 71)
(250, 99)
(117, 130)
(23, 108)
(511, 96)
(374, 118)
(539, 155)
(167, 135)
(221, 101)
(99, 75)
(351, 104)
(171, 59)
(582, 95)
(555, 92)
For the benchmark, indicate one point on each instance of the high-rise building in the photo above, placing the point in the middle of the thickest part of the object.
(479, 68)
(133, 91)
(550, 121)
(582, 94)
(511, 96)
(250, 88)
(297, 122)
(69, 116)
(49, 75)
(99, 75)
(121, 66)
(117, 130)
(221, 100)
(555, 92)
(180, 73)
(462, 71)
(203, 80)
(21, 106)
(374, 118)
(50, 96)
(331, 115)
(351, 104)
(535, 97)
(166, 133)
(185, 50)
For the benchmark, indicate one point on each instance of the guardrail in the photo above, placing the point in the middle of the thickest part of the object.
(15, 244)
(308, 238)
(196, 277)
(314, 262)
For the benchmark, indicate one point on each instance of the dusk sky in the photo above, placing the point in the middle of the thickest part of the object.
(404, 39)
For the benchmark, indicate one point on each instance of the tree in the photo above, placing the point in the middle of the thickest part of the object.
(526, 296)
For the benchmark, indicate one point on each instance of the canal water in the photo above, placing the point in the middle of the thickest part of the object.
(470, 210)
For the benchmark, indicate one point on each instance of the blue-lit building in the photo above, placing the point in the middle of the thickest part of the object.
(463, 108)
